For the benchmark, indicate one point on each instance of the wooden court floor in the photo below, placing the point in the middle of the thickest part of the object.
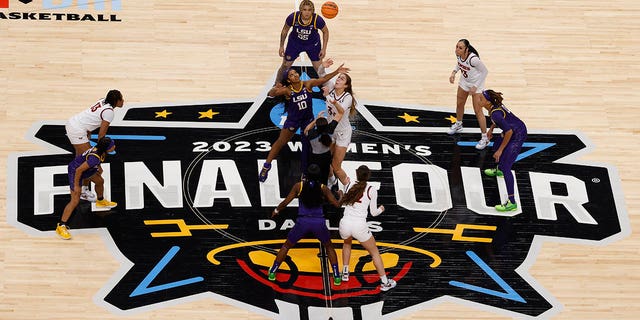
(562, 66)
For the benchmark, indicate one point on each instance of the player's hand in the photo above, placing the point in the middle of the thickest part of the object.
(381, 209)
(325, 90)
(327, 63)
(496, 155)
(452, 78)
(343, 69)
(321, 114)
(281, 51)
(322, 53)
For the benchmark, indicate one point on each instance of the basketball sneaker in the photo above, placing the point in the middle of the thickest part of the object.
(388, 286)
(333, 180)
(104, 203)
(63, 231)
(455, 128)
(493, 172)
(483, 143)
(507, 206)
(88, 195)
(272, 276)
(264, 173)
(345, 275)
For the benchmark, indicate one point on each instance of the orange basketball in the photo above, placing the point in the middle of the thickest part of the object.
(329, 9)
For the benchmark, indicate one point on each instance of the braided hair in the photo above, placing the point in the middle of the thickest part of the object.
(494, 97)
(311, 194)
(104, 144)
(112, 98)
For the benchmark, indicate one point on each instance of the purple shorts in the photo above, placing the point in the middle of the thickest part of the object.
(294, 49)
(305, 225)
(294, 124)
(87, 174)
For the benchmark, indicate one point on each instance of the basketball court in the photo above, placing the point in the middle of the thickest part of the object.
(192, 237)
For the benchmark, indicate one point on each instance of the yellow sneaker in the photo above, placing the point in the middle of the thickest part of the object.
(63, 231)
(104, 203)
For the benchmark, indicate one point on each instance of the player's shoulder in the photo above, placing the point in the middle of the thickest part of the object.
(319, 19)
(290, 18)
(498, 112)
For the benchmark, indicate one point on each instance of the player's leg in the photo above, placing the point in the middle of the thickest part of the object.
(461, 100)
(285, 136)
(372, 248)
(101, 202)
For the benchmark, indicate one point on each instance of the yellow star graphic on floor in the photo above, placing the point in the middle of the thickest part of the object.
(452, 119)
(163, 114)
(207, 114)
(409, 118)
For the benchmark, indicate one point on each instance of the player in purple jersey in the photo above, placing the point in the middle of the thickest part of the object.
(86, 167)
(311, 194)
(303, 38)
(507, 147)
(299, 106)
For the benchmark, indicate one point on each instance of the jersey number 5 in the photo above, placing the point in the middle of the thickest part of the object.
(95, 107)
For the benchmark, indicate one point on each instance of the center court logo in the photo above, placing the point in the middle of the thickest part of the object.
(193, 218)
(65, 10)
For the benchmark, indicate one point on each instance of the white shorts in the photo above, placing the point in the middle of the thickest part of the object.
(75, 135)
(342, 137)
(466, 86)
(356, 228)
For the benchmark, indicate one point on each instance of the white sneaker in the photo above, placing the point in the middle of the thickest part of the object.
(332, 181)
(388, 286)
(89, 195)
(455, 128)
(483, 143)
(345, 273)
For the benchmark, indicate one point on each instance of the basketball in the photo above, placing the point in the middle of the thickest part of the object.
(329, 10)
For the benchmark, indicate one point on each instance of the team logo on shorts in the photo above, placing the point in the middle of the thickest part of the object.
(193, 220)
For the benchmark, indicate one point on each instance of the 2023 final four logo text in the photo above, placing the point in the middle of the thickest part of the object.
(193, 219)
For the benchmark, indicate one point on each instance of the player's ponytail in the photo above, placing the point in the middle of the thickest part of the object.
(355, 193)
(469, 47)
(349, 88)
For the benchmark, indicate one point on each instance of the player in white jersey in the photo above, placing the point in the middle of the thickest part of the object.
(472, 78)
(361, 197)
(338, 91)
(79, 128)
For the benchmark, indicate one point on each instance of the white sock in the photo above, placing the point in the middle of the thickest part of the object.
(85, 188)
(345, 268)
(384, 279)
